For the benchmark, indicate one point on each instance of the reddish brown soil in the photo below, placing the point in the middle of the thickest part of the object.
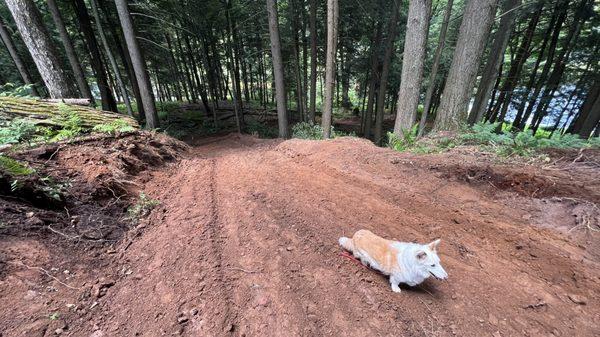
(244, 242)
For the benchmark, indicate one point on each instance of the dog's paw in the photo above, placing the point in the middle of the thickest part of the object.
(396, 289)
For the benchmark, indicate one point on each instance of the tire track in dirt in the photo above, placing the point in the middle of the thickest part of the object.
(246, 234)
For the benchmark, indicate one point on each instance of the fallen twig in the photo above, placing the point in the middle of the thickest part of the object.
(42, 270)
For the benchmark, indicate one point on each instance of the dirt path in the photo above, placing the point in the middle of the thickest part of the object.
(244, 243)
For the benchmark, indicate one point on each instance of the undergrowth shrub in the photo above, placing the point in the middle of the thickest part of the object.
(485, 136)
(13, 90)
(404, 142)
(261, 130)
(116, 126)
(13, 167)
(304, 130)
(142, 207)
(16, 131)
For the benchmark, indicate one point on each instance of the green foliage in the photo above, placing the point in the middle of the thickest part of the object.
(52, 188)
(405, 142)
(261, 130)
(13, 90)
(304, 130)
(142, 207)
(69, 124)
(116, 126)
(14, 167)
(54, 316)
(485, 136)
(16, 131)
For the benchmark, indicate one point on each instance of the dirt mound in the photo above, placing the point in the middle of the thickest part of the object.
(244, 243)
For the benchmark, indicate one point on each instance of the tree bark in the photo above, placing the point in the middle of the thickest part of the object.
(12, 51)
(139, 66)
(37, 39)
(111, 57)
(585, 110)
(415, 43)
(84, 88)
(559, 22)
(558, 68)
(278, 69)
(490, 73)
(313, 61)
(385, 71)
(375, 43)
(435, 66)
(474, 29)
(332, 32)
(85, 25)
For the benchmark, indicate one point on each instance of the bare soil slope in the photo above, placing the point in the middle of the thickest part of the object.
(244, 242)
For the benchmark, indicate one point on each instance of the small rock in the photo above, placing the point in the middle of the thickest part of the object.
(493, 319)
(454, 296)
(29, 214)
(66, 271)
(58, 331)
(182, 319)
(228, 327)
(194, 312)
(289, 248)
(577, 299)
(97, 333)
(497, 334)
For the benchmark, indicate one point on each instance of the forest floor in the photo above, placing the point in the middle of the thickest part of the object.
(244, 241)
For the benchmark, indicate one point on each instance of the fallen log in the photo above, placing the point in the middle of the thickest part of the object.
(74, 101)
(46, 113)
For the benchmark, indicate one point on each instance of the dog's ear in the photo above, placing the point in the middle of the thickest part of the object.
(433, 246)
(421, 255)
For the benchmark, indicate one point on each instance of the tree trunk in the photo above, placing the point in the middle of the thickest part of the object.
(412, 65)
(278, 69)
(298, 70)
(375, 43)
(85, 25)
(592, 119)
(12, 51)
(84, 88)
(139, 66)
(111, 58)
(385, 71)
(474, 29)
(435, 66)
(332, 31)
(40, 46)
(490, 73)
(586, 108)
(553, 82)
(548, 64)
(313, 61)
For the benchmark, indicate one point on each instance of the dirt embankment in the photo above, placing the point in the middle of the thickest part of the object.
(244, 242)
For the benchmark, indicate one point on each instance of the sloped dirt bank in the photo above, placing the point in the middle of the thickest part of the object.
(244, 243)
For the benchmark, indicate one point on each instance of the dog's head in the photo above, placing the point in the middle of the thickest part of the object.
(428, 262)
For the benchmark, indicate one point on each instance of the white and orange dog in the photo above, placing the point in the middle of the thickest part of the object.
(404, 262)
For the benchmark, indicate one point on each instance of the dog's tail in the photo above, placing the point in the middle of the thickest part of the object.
(346, 243)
